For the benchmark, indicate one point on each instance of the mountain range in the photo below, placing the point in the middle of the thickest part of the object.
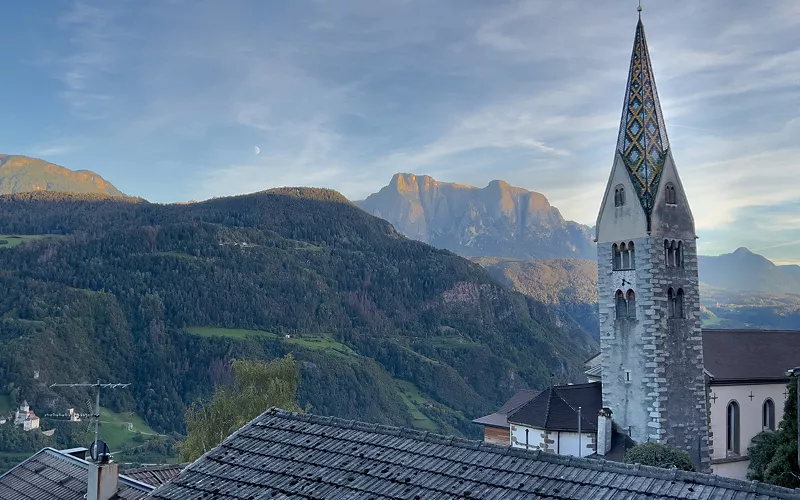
(498, 220)
(744, 270)
(20, 174)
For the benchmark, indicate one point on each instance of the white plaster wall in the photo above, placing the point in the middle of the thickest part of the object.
(669, 174)
(535, 440)
(750, 413)
(568, 442)
(564, 443)
(735, 470)
(625, 222)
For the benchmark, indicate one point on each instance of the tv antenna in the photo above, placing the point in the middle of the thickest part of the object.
(96, 414)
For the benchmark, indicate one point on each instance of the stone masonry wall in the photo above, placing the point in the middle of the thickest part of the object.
(652, 365)
(627, 350)
(681, 383)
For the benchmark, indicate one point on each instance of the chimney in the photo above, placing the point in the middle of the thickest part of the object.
(103, 480)
(604, 429)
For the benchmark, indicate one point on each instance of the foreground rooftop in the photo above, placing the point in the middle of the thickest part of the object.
(281, 454)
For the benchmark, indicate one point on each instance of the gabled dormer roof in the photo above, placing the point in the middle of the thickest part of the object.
(642, 140)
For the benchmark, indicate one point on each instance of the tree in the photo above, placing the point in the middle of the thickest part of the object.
(256, 388)
(659, 455)
(773, 458)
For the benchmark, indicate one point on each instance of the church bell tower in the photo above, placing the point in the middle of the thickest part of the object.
(650, 337)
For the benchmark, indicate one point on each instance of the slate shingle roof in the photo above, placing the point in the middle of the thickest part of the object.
(155, 475)
(556, 408)
(750, 355)
(288, 455)
(499, 418)
(52, 475)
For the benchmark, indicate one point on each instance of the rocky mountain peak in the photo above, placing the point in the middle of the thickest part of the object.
(498, 220)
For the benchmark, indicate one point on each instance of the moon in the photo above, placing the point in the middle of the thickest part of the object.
(258, 150)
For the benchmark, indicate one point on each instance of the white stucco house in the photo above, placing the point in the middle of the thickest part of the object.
(25, 417)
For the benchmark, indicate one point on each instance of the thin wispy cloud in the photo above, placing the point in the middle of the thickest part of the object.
(169, 98)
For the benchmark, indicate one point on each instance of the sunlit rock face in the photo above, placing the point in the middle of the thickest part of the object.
(498, 220)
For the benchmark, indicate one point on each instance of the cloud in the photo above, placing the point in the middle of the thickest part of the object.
(344, 94)
(93, 33)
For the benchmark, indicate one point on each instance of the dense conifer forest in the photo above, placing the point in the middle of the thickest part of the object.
(385, 329)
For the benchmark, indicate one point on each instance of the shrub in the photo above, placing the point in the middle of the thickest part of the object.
(659, 455)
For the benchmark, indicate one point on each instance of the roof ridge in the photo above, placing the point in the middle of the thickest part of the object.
(583, 416)
(587, 463)
(547, 408)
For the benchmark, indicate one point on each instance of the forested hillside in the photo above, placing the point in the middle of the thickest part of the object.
(386, 329)
(568, 286)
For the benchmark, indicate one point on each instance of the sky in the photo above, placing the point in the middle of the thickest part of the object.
(168, 99)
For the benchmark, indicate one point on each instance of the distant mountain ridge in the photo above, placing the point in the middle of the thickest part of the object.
(744, 270)
(498, 220)
(21, 174)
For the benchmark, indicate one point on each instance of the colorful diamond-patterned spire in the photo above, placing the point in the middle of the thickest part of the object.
(642, 140)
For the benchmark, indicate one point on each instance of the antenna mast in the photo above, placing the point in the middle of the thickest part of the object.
(96, 414)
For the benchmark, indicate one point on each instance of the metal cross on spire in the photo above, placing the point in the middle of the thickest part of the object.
(96, 415)
(639, 9)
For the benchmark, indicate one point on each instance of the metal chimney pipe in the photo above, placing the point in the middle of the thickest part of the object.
(579, 432)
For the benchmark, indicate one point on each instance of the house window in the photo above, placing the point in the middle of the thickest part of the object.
(733, 428)
(669, 194)
(619, 196)
(631, 299)
(768, 415)
(624, 256)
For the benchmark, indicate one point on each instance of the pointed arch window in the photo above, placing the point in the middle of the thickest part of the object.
(631, 303)
(631, 256)
(670, 196)
(673, 253)
(619, 196)
(671, 303)
(621, 305)
(733, 428)
(675, 303)
(624, 256)
(768, 415)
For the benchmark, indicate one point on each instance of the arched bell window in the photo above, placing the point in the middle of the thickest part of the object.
(619, 196)
(621, 305)
(670, 195)
(624, 256)
(675, 303)
(733, 428)
(631, 300)
(768, 415)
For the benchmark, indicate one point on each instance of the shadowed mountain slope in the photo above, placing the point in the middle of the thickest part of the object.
(386, 329)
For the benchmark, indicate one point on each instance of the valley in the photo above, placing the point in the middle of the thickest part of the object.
(385, 329)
